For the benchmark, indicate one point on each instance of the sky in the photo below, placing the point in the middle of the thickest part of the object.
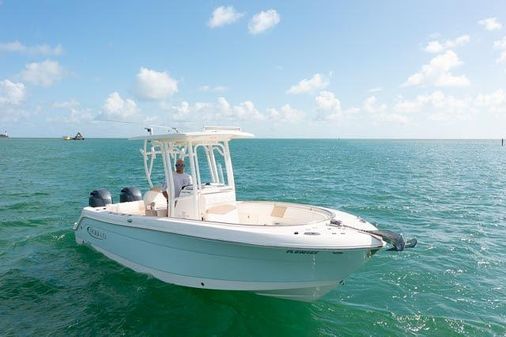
(287, 69)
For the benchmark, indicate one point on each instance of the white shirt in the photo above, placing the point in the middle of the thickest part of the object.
(180, 180)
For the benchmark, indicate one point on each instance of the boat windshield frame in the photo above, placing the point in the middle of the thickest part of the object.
(185, 146)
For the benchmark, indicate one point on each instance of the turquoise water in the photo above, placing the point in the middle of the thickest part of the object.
(450, 195)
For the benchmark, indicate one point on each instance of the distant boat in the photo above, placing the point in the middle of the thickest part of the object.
(4, 135)
(78, 136)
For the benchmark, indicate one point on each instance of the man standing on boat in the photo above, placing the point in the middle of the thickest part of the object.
(181, 179)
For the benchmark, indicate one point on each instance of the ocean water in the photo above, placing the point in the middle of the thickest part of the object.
(450, 195)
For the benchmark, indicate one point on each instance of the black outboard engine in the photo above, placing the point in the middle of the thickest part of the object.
(100, 198)
(130, 194)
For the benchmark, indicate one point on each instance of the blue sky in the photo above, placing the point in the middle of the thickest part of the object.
(365, 69)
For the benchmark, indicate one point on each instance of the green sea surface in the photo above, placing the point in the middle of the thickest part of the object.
(450, 195)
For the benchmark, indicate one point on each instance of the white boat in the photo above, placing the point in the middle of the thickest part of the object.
(207, 239)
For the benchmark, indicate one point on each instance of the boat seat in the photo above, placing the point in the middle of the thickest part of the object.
(154, 199)
(278, 211)
(223, 213)
(155, 203)
(132, 207)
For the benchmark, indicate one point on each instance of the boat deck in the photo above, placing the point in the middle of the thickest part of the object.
(266, 213)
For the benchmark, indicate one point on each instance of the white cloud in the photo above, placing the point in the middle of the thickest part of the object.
(490, 24)
(286, 114)
(437, 105)
(11, 93)
(223, 110)
(186, 110)
(417, 104)
(117, 108)
(209, 88)
(42, 49)
(436, 46)
(76, 113)
(328, 101)
(449, 80)
(329, 105)
(494, 102)
(392, 118)
(316, 82)
(219, 110)
(437, 72)
(179, 112)
(154, 85)
(379, 112)
(264, 20)
(14, 113)
(377, 89)
(502, 57)
(501, 45)
(223, 104)
(43, 73)
(224, 16)
(371, 105)
(71, 104)
(409, 106)
(244, 111)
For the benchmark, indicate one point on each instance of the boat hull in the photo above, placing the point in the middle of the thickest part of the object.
(284, 272)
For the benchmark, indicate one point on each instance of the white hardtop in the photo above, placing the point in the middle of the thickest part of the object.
(209, 134)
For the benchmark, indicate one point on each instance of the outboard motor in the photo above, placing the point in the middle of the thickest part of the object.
(130, 194)
(100, 198)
